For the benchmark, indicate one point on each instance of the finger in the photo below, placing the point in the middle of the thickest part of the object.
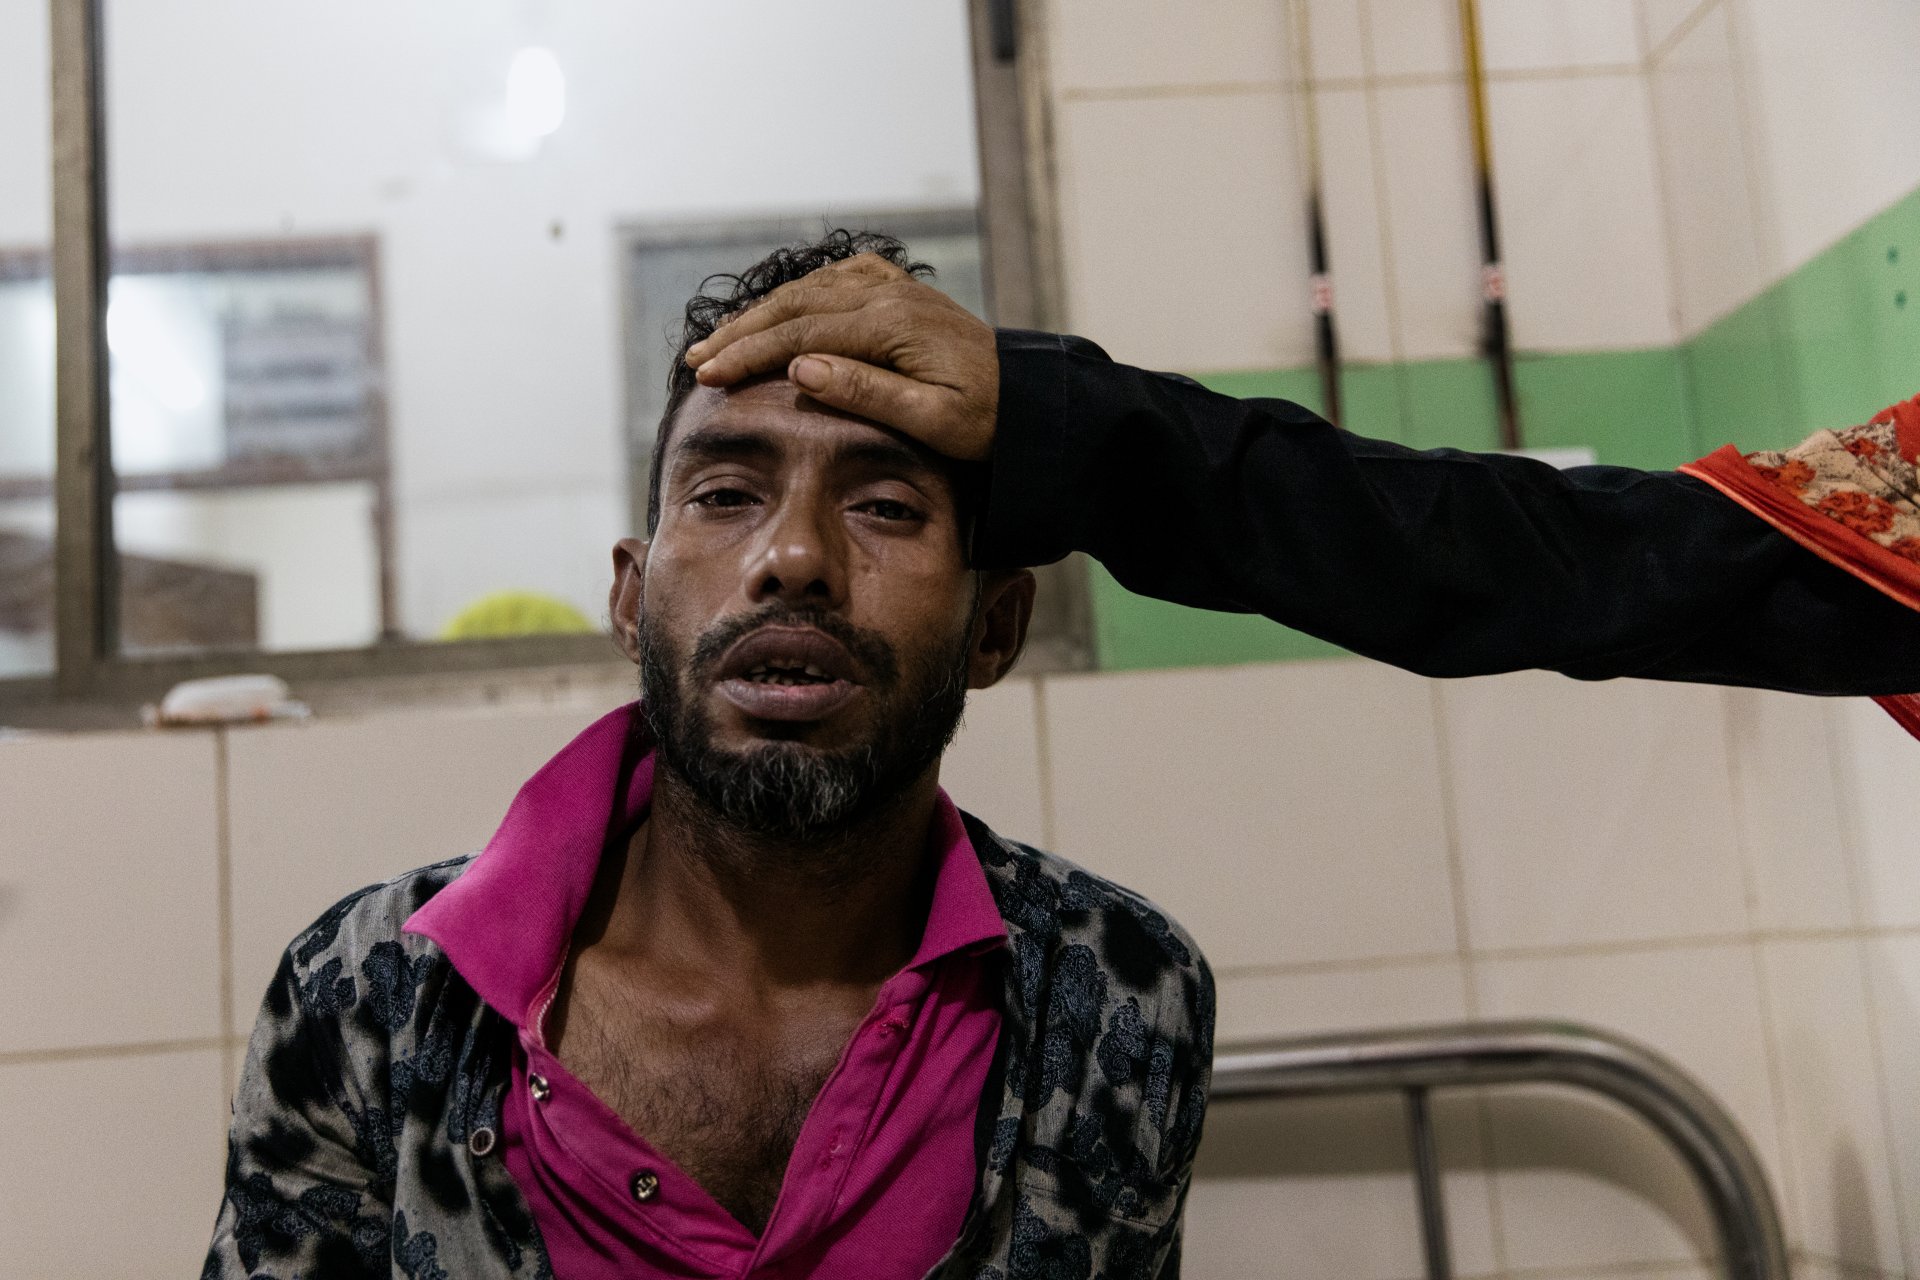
(869, 264)
(788, 302)
(860, 334)
(891, 399)
(811, 293)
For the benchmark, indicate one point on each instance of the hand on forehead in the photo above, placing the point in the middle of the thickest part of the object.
(868, 337)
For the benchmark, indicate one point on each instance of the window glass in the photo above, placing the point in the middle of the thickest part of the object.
(428, 434)
(26, 347)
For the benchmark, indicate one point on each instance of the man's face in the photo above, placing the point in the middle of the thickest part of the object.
(807, 626)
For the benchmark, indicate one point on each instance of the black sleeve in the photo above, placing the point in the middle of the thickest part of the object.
(1442, 562)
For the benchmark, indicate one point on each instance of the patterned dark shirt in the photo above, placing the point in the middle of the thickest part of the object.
(364, 1139)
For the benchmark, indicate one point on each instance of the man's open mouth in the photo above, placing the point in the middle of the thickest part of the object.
(788, 673)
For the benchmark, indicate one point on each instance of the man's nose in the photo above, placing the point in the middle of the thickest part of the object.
(799, 558)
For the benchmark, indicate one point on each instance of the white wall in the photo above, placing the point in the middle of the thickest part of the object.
(1657, 162)
(237, 118)
(1720, 239)
(1725, 875)
(1833, 101)
(1181, 161)
(1783, 125)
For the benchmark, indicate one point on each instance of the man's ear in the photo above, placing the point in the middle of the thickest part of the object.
(1000, 627)
(623, 601)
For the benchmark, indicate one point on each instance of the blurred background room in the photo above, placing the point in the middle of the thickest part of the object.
(372, 393)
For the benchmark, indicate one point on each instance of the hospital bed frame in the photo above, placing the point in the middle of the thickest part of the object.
(1415, 1061)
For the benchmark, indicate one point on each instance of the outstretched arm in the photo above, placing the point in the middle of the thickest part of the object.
(1442, 562)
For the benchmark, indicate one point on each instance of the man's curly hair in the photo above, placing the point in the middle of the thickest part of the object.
(722, 296)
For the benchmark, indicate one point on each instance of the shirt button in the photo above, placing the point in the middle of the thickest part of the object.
(645, 1185)
(480, 1141)
(537, 1085)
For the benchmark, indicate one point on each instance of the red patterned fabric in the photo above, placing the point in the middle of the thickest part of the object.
(1851, 497)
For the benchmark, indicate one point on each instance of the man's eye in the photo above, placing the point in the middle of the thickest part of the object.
(888, 509)
(723, 498)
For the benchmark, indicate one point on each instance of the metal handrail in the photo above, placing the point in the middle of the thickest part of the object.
(1415, 1060)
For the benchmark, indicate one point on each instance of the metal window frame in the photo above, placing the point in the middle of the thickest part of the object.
(360, 253)
(89, 669)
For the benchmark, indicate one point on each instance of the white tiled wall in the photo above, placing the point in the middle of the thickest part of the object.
(1179, 161)
(1580, 155)
(1546, 35)
(1833, 100)
(1717, 874)
(113, 1162)
(1289, 814)
(109, 836)
(1324, 1184)
(1156, 194)
(1652, 854)
(1718, 232)
(319, 810)
(1356, 223)
(1657, 163)
(1428, 199)
(1583, 1185)
(1781, 126)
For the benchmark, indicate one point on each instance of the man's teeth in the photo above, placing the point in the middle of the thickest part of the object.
(768, 673)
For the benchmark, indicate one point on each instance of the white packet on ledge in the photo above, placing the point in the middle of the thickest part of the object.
(226, 700)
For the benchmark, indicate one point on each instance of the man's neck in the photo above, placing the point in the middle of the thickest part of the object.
(697, 896)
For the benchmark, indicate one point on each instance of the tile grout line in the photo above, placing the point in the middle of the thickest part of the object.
(1787, 1151)
(1389, 267)
(1766, 229)
(1842, 764)
(1643, 36)
(1883, 1099)
(1456, 863)
(1608, 1271)
(1843, 1267)
(1736, 797)
(1311, 968)
(1842, 767)
(1689, 1268)
(136, 1049)
(1463, 949)
(1043, 743)
(1568, 951)
(223, 852)
(1318, 84)
(1680, 32)
(1682, 941)
(1669, 216)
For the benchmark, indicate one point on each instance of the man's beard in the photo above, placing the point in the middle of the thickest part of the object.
(790, 791)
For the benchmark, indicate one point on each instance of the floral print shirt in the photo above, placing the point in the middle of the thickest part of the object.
(365, 1126)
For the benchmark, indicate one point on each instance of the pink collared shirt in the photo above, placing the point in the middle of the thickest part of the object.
(884, 1168)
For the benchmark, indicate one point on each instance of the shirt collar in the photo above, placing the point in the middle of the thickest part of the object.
(507, 921)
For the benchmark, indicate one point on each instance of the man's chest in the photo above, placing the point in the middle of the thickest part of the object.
(723, 1098)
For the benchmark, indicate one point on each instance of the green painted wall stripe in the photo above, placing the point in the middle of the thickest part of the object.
(1828, 346)
(1629, 406)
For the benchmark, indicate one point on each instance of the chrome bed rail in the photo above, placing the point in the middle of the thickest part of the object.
(1415, 1061)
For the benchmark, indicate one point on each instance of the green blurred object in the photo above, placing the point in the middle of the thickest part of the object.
(516, 613)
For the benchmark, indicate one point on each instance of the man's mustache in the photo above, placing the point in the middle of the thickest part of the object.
(871, 651)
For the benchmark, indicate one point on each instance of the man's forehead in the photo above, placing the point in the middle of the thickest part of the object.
(774, 409)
